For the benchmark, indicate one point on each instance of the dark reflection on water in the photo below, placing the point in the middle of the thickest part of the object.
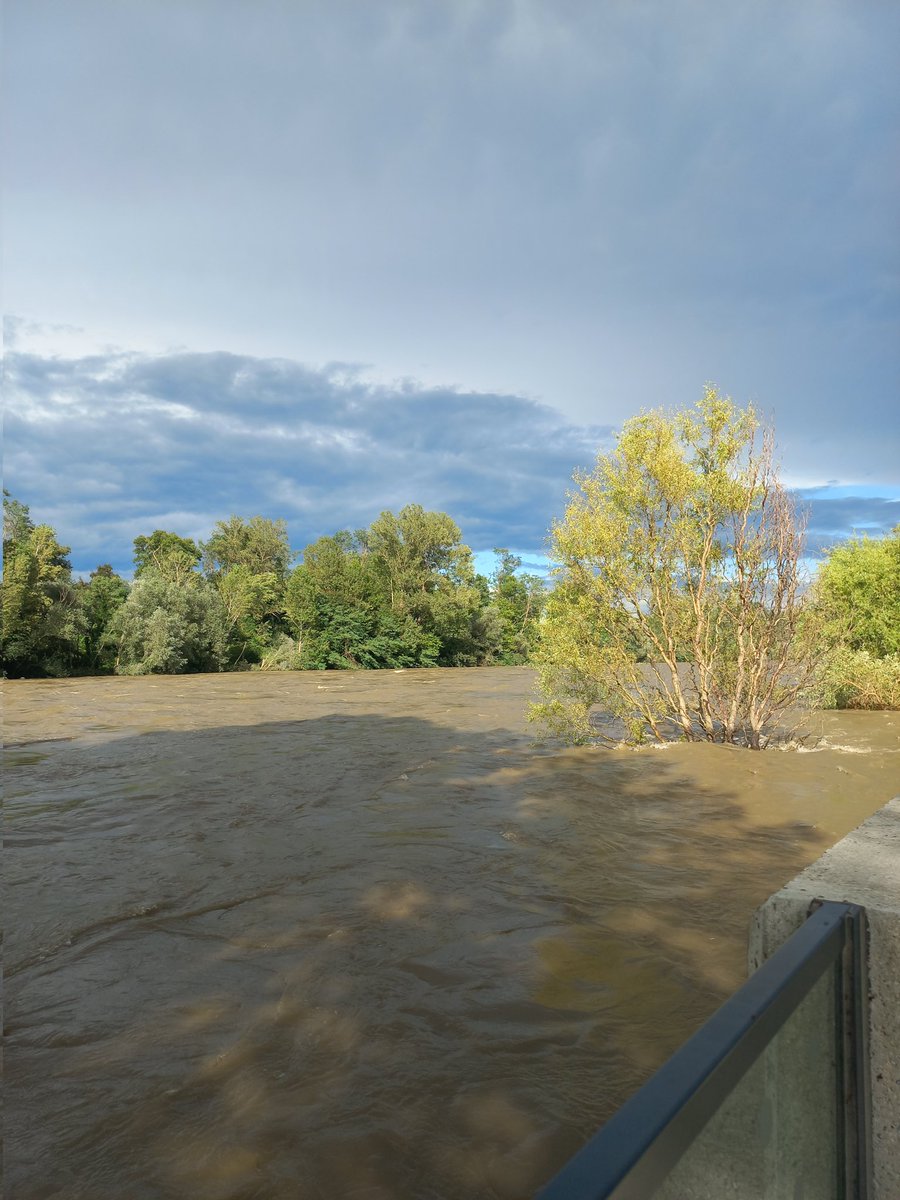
(328, 936)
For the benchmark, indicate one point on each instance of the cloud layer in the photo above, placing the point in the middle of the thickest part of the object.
(109, 446)
(832, 520)
(598, 205)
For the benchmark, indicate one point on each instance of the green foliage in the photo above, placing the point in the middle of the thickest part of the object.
(17, 522)
(345, 638)
(417, 553)
(338, 608)
(282, 655)
(450, 615)
(248, 562)
(401, 593)
(423, 573)
(259, 545)
(165, 627)
(857, 601)
(338, 570)
(170, 555)
(331, 601)
(487, 635)
(250, 600)
(100, 599)
(680, 547)
(860, 679)
(519, 601)
(858, 593)
(41, 619)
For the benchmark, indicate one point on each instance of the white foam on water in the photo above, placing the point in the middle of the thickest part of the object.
(824, 744)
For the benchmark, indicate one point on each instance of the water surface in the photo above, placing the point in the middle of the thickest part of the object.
(353, 935)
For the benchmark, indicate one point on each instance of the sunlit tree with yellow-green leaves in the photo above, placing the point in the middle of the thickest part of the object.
(678, 598)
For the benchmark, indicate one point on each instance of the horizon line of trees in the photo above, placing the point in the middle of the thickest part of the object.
(404, 593)
(401, 593)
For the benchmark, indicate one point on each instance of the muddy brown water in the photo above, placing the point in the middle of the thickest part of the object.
(354, 935)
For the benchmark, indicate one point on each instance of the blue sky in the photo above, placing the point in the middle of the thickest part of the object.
(316, 260)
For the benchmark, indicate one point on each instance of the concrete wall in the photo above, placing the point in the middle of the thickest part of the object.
(863, 868)
(773, 1139)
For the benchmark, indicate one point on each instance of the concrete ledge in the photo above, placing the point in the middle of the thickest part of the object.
(863, 868)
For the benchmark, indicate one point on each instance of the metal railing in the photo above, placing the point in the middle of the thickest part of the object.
(769, 1098)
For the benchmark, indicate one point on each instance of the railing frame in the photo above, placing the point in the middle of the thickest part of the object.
(635, 1151)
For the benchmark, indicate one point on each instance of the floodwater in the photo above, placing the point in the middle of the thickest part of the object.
(353, 935)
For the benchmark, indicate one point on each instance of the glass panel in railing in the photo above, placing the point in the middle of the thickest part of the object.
(776, 1137)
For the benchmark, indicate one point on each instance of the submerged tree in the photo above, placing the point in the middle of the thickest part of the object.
(683, 548)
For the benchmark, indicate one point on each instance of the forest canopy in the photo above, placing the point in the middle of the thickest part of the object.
(401, 593)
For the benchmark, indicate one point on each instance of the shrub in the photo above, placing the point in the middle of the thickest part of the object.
(858, 594)
(858, 679)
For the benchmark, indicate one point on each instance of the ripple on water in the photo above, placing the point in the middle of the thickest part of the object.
(264, 944)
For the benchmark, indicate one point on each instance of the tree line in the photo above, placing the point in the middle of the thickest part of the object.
(678, 602)
(401, 593)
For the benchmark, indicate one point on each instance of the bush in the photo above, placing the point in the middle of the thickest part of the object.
(857, 601)
(283, 655)
(858, 594)
(858, 679)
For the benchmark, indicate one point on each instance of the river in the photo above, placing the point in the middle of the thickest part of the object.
(353, 935)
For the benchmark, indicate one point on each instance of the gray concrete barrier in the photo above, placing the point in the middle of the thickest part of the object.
(773, 1138)
(863, 868)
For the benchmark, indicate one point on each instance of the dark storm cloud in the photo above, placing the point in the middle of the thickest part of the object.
(831, 521)
(107, 447)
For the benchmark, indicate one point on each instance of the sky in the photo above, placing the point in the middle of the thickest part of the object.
(318, 258)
